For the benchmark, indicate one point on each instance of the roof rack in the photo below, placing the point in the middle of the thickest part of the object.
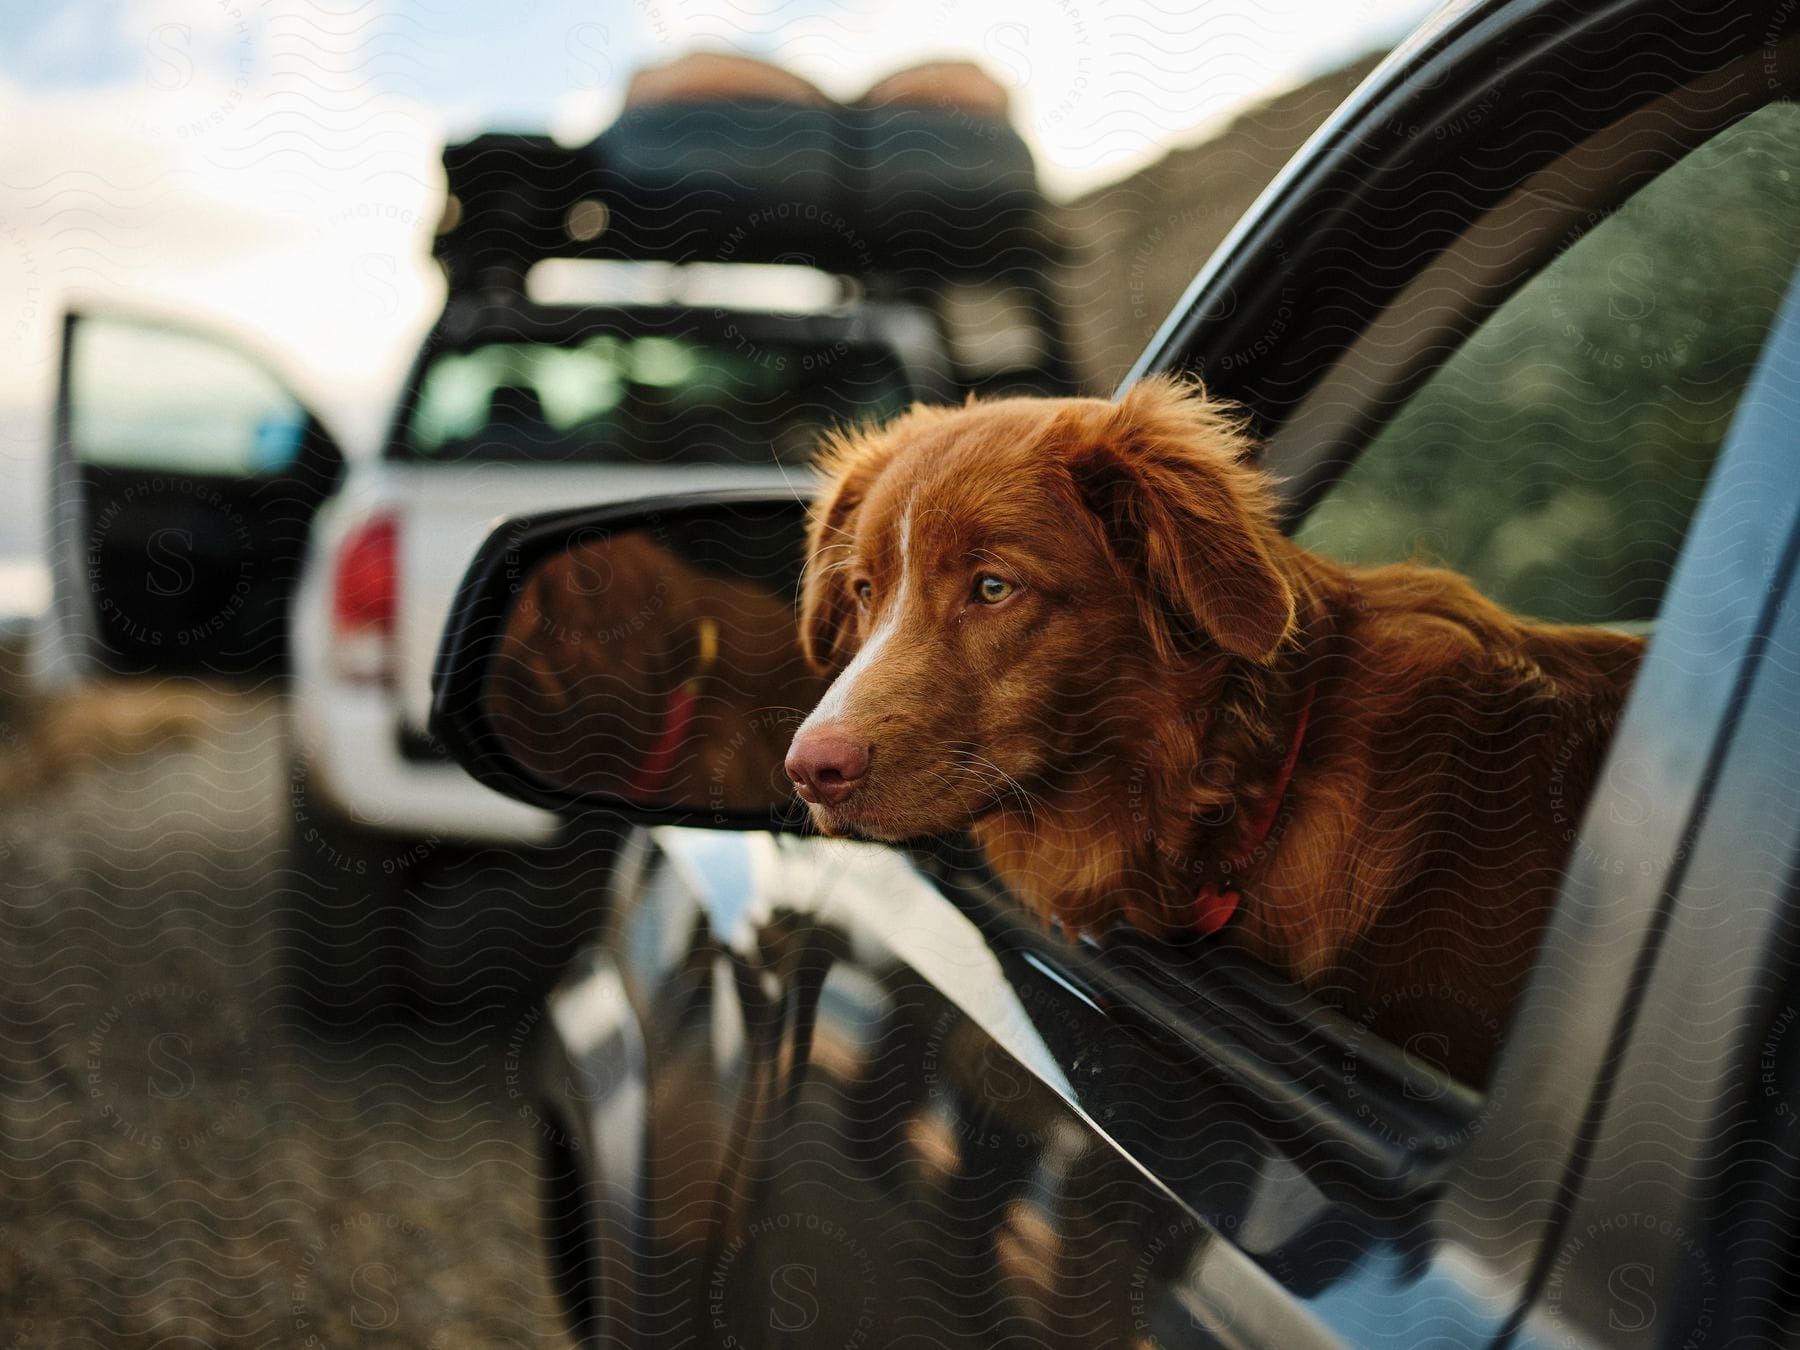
(921, 191)
(867, 191)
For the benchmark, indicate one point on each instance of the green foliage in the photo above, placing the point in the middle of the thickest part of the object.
(1557, 457)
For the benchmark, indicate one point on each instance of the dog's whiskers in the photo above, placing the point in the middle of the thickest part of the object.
(973, 762)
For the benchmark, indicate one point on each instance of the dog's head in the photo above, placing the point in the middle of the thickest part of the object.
(979, 576)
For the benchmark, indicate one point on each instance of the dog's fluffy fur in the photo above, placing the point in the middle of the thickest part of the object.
(1113, 727)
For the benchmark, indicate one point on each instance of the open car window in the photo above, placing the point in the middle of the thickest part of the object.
(1556, 459)
(149, 398)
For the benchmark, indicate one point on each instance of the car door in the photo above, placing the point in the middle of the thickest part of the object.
(184, 478)
(868, 1117)
(829, 1108)
(865, 1111)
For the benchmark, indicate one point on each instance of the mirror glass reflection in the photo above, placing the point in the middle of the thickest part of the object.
(660, 665)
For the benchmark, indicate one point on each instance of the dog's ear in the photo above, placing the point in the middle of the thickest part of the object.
(1186, 515)
(849, 462)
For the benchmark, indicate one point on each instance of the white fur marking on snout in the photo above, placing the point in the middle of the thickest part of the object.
(837, 696)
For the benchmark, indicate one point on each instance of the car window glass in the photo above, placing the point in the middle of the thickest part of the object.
(1557, 457)
(654, 399)
(165, 401)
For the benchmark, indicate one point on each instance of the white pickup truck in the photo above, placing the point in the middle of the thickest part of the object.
(682, 304)
(206, 523)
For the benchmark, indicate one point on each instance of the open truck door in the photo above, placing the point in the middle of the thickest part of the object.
(185, 476)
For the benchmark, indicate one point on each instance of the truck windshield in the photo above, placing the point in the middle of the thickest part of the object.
(647, 399)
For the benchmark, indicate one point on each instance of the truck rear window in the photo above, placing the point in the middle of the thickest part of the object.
(646, 400)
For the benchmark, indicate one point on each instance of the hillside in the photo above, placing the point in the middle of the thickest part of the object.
(1137, 243)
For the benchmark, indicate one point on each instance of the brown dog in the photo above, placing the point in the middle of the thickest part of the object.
(1073, 627)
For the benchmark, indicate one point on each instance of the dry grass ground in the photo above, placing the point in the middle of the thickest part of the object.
(178, 1166)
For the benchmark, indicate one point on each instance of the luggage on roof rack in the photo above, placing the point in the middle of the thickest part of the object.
(924, 181)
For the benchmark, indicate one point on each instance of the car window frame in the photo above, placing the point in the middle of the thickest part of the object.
(1249, 324)
(1356, 402)
(1357, 397)
(1307, 454)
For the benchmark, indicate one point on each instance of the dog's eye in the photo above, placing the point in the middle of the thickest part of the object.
(991, 590)
(864, 593)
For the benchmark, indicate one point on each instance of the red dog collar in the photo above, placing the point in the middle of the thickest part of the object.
(1216, 905)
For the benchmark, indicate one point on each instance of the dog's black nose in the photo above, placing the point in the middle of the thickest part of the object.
(825, 764)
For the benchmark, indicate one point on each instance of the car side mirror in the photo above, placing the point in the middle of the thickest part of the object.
(642, 658)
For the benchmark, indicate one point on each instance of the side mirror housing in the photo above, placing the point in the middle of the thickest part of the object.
(641, 658)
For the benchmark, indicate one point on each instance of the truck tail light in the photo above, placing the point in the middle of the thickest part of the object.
(365, 601)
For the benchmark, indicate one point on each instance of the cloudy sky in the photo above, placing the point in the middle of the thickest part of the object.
(271, 168)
